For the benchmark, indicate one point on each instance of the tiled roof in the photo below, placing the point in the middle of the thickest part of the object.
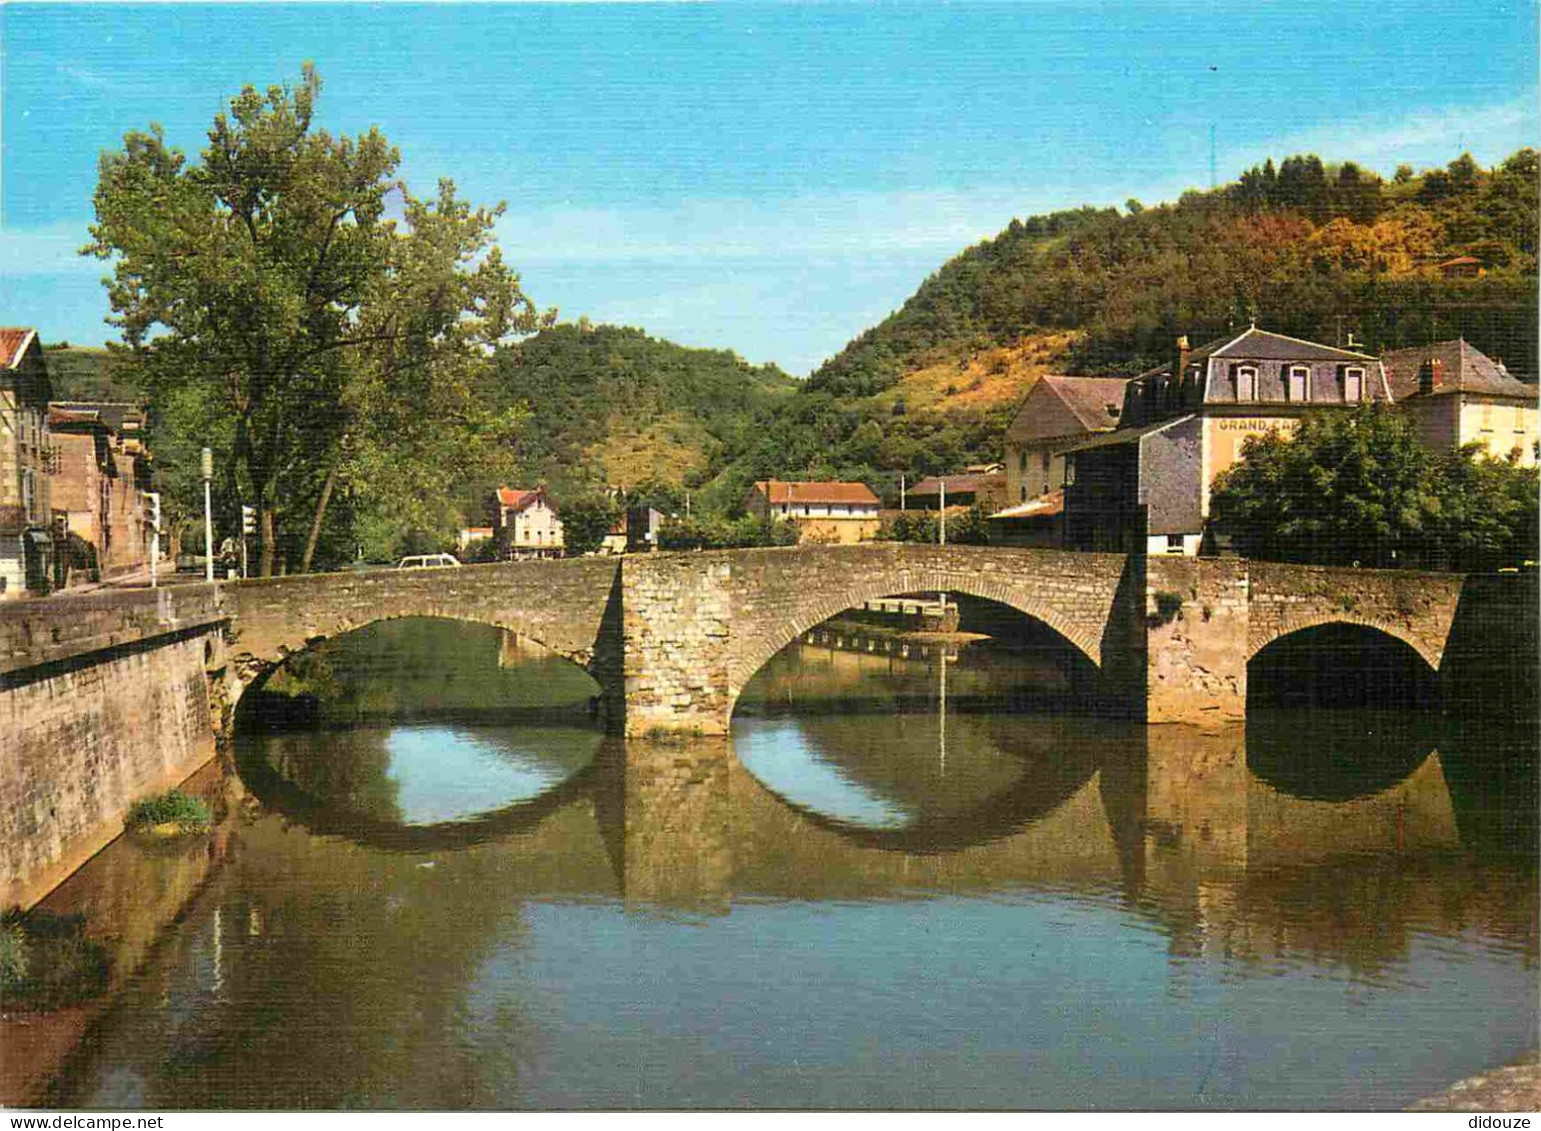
(1064, 406)
(61, 417)
(1045, 506)
(13, 344)
(120, 416)
(1264, 345)
(957, 484)
(1125, 435)
(517, 498)
(780, 491)
(1458, 367)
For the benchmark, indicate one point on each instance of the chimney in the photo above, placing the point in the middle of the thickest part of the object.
(1174, 390)
(1426, 377)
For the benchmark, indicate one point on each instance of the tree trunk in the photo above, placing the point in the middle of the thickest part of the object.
(315, 523)
(268, 536)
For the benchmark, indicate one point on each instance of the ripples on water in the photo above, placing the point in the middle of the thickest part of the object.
(458, 893)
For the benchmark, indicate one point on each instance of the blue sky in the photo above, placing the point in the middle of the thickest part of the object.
(767, 178)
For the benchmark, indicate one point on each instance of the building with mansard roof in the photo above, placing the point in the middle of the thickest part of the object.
(1146, 486)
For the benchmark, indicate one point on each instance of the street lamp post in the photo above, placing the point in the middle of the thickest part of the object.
(208, 516)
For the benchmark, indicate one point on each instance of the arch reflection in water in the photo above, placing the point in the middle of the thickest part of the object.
(422, 774)
(886, 748)
(417, 723)
(1338, 755)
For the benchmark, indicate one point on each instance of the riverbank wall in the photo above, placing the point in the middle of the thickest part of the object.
(112, 705)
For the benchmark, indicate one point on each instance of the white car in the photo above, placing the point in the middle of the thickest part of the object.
(428, 561)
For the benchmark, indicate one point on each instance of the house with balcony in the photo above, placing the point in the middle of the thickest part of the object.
(526, 523)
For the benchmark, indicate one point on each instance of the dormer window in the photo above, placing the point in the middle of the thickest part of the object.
(1299, 382)
(1246, 382)
(1353, 384)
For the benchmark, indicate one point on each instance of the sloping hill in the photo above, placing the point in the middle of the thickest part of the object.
(83, 373)
(611, 405)
(1308, 249)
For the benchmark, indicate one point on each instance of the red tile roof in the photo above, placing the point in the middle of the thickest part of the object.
(63, 417)
(13, 344)
(779, 491)
(517, 498)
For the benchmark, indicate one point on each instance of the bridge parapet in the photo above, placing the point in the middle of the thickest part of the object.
(51, 630)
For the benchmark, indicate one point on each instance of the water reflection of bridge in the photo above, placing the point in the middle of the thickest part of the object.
(1170, 822)
(1172, 827)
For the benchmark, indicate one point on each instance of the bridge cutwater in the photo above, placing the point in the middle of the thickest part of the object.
(108, 697)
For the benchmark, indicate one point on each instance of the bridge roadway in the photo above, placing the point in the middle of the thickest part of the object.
(106, 698)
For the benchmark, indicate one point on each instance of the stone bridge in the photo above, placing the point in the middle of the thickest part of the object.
(106, 698)
(672, 639)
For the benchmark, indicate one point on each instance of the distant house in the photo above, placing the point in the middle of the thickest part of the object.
(615, 538)
(962, 490)
(470, 535)
(1462, 267)
(1056, 413)
(101, 473)
(641, 529)
(824, 512)
(1145, 487)
(26, 457)
(526, 523)
(1457, 395)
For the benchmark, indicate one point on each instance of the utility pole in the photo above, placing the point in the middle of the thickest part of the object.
(941, 526)
(901, 490)
(941, 531)
(208, 516)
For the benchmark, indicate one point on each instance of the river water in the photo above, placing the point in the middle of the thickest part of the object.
(439, 885)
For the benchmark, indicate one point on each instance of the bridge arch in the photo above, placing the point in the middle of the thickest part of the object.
(1333, 661)
(567, 607)
(811, 609)
(1430, 653)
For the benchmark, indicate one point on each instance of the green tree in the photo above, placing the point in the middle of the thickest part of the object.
(585, 522)
(1360, 489)
(273, 312)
